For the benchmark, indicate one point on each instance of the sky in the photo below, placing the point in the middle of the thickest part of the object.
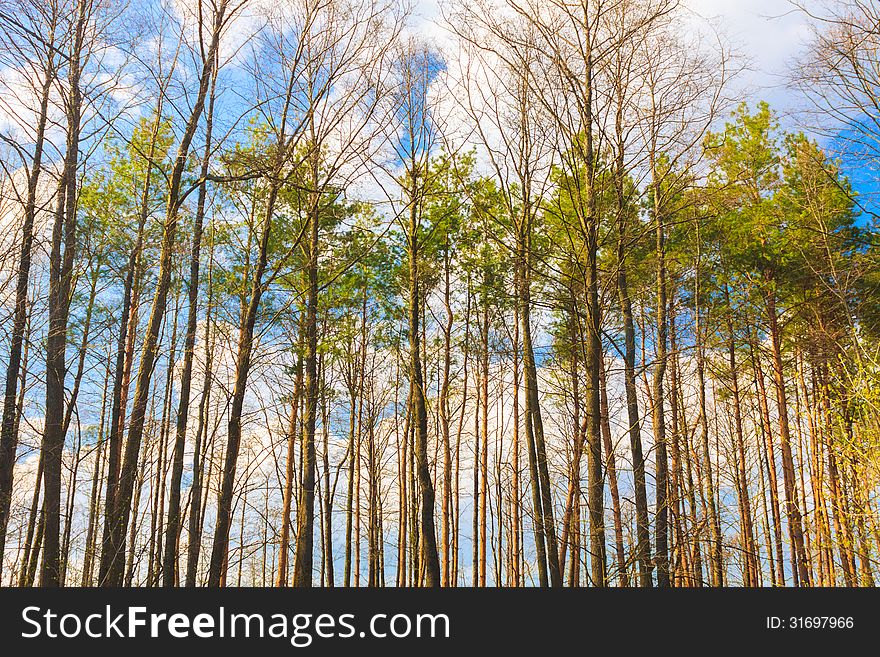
(770, 35)
(767, 34)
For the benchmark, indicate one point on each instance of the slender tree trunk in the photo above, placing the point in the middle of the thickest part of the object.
(475, 491)
(419, 409)
(35, 514)
(611, 469)
(750, 546)
(302, 570)
(60, 288)
(543, 547)
(194, 543)
(169, 573)
(124, 355)
(484, 437)
(545, 524)
(444, 419)
(94, 499)
(515, 521)
(795, 525)
(662, 478)
(281, 577)
(596, 492)
(715, 550)
(570, 528)
(8, 434)
(770, 460)
(643, 536)
(328, 492)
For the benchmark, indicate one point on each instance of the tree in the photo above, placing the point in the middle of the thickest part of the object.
(30, 35)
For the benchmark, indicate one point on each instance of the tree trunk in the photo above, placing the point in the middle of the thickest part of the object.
(8, 434)
(662, 478)
(194, 541)
(795, 526)
(60, 289)
(419, 409)
(281, 577)
(611, 468)
(169, 573)
(302, 569)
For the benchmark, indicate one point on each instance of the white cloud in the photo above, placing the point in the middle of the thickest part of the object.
(770, 34)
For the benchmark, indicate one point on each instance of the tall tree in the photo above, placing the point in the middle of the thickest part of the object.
(31, 35)
(113, 557)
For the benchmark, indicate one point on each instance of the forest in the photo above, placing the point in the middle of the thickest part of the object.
(303, 293)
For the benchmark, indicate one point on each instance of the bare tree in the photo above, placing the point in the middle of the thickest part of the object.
(30, 34)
